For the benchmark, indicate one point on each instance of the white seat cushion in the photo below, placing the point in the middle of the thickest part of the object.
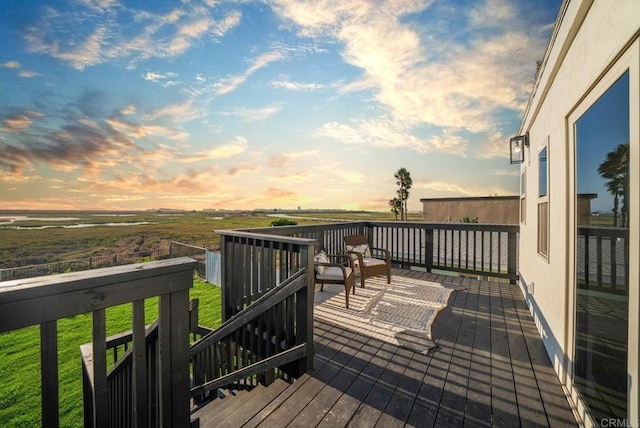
(362, 249)
(368, 261)
(333, 273)
(321, 257)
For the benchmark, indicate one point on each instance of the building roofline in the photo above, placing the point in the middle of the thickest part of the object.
(471, 198)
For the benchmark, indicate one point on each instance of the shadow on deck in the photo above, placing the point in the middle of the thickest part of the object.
(489, 368)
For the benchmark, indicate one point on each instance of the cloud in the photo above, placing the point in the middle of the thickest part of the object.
(390, 133)
(229, 22)
(187, 33)
(242, 168)
(295, 177)
(438, 188)
(82, 141)
(76, 145)
(231, 83)
(138, 131)
(11, 65)
(297, 86)
(107, 38)
(357, 86)
(428, 74)
(352, 177)
(253, 115)
(163, 79)
(283, 160)
(78, 55)
(233, 148)
(19, 121)
(279, 194)
(130, 109)
(101, 5)
(146, 185)
(28, 74)
(183, 112)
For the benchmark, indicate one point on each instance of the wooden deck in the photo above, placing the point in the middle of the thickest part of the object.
(489, 369)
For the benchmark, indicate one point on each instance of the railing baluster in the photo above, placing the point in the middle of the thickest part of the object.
(100, 387)
(49, 373)
(599, 260)
(614, 265)
(139, 384)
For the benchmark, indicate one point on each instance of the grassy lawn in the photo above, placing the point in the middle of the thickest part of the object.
(20, 359)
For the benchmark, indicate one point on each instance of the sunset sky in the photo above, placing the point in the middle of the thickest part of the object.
(196, 104)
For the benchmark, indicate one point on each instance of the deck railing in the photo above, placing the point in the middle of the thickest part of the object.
(120, 382)
(602, 259)
(44, 300)
(272, 337)
(267, 310)
(254, 263)
(479, 249)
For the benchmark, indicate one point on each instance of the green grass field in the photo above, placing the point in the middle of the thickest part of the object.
(20, 359)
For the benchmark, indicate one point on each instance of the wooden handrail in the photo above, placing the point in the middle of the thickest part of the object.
(44, 300)
(260, 306)
(280, 359)
(253, 342)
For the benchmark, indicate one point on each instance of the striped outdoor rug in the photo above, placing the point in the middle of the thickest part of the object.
(400, 313)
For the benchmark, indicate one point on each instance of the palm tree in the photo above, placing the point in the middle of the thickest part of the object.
(615, 169)
(403, 179)
(396, 206)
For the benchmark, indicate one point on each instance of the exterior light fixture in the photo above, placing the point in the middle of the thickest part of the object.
(516, 146)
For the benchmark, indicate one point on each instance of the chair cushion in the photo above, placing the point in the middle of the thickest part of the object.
(321, 257)
(333, 273)
(369, 261)
(362, 249)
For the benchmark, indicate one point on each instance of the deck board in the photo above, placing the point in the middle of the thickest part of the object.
(489, 368)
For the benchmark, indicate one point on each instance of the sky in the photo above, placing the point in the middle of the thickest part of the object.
(272, 104)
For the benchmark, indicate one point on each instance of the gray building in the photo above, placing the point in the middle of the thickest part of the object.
(487, 209)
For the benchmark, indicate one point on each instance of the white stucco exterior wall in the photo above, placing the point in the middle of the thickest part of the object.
(588, 40)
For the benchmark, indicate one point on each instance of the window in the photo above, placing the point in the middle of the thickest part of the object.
(602, 199)
(542, 177)
(543, 202)
(543, 228)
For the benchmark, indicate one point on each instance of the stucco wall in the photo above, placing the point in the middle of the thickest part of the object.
(493, 210)
(604, 31)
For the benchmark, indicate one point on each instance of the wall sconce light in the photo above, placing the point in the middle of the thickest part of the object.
(516, 146)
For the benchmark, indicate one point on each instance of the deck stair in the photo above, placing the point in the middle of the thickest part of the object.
(234, 408)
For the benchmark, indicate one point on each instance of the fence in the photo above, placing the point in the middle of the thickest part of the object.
(214, 267)
(110, 260)
(179, 249)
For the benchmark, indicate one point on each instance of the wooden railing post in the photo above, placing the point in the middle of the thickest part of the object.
(512, 254)
(224, 278)
(139, 384)
(100, 387)
(304, 309)
(173, 334)
(49, 373)
(428, 257)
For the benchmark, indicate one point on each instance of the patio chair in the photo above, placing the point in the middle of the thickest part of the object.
(358, 248)
(328, 272)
